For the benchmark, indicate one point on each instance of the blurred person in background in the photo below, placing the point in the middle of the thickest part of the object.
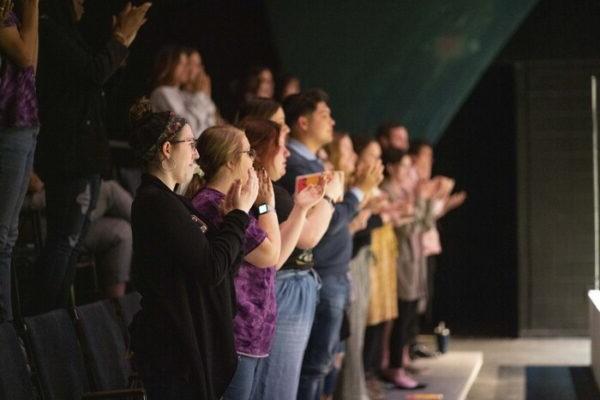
(286, 86)
(181, 85)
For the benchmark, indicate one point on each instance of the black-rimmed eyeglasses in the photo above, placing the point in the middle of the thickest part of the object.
(192, 142)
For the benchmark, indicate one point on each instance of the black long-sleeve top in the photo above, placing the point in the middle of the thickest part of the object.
(185, 328)
(362, 238)
(70, 76)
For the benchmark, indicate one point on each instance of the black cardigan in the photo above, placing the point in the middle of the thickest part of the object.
(185, 328)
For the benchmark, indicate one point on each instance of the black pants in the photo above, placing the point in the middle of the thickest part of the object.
(171, 390)
(69, 203)
(402, 334)
(373, 348)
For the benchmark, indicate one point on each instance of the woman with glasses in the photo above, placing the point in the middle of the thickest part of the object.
(226, 156)
(183, 266)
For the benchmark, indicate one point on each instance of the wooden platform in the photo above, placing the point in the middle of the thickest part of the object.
(451, 374)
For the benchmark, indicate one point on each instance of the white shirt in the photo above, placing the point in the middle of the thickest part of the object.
(197, 108)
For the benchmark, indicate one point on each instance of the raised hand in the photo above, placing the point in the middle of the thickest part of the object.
(310, 195)
(369, 176)
(360, 221)
(245, 196)
(127, 24)
(265, 189)
(335, 187)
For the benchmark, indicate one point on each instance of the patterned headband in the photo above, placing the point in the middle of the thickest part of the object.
(174, 125)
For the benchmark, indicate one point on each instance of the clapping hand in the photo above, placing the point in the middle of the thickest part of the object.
(266, 194)
(239, 196)
(310, 195)
(127, 24)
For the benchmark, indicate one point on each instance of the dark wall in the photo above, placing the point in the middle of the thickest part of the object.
(489, 278)
(556, 229)
(476, 284)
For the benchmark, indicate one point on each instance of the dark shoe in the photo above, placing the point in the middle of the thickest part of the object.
(421, 351)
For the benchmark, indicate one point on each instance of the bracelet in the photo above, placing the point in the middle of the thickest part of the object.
(329, 200)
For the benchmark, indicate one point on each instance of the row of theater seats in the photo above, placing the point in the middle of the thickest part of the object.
(76, 354)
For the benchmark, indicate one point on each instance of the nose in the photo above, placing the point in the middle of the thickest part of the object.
(286, 152)
(332, 122)
(196, 155)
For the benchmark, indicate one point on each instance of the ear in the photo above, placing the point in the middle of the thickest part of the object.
(230, 165)
(303, 123)
(165, 150)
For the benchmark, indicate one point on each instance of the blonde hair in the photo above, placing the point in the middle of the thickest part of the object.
(216, 146)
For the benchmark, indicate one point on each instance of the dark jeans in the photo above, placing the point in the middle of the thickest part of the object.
(324, 336)
(69, 203)
(401, 331)
(171, 390)
(17, 148)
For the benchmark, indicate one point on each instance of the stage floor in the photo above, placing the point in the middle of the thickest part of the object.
(503, 374)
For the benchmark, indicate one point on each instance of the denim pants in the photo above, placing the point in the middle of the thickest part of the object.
(242, 384)
(278, 375)
(324, 336)
(69, 203)
(17, 149)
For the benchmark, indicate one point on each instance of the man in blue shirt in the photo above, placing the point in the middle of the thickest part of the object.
(309, 118)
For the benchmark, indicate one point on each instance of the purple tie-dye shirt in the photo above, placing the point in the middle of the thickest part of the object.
(254, 322)
(18, 98)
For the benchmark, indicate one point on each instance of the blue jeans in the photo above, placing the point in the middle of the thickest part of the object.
(324, 336)
(278, 375)
(17, 148)
(69, 203)
(242, 384)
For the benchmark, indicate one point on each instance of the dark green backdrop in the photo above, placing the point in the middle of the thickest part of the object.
(413, 61)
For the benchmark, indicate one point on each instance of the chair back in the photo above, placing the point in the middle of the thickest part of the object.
(15, 380)
(57, 356)
(104, 345)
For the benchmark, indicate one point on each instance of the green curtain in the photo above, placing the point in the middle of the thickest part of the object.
(411, 61)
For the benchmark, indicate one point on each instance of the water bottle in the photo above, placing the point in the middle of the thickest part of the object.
(442, 336)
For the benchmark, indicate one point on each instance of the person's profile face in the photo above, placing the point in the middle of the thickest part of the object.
(180, 72)
(347, 155)
(320, 124)
(194, 65)
(398, 138)
(266, 85)
(184, 155)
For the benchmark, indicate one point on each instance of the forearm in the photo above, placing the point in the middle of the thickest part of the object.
(29, 30)
(316, 225)
(290, 231)
(35, 53)
(266, 255)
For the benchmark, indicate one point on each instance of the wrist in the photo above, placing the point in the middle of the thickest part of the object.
(120, 37)
(329, 200)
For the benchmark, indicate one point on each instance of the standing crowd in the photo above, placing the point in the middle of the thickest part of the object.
(276, 257)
